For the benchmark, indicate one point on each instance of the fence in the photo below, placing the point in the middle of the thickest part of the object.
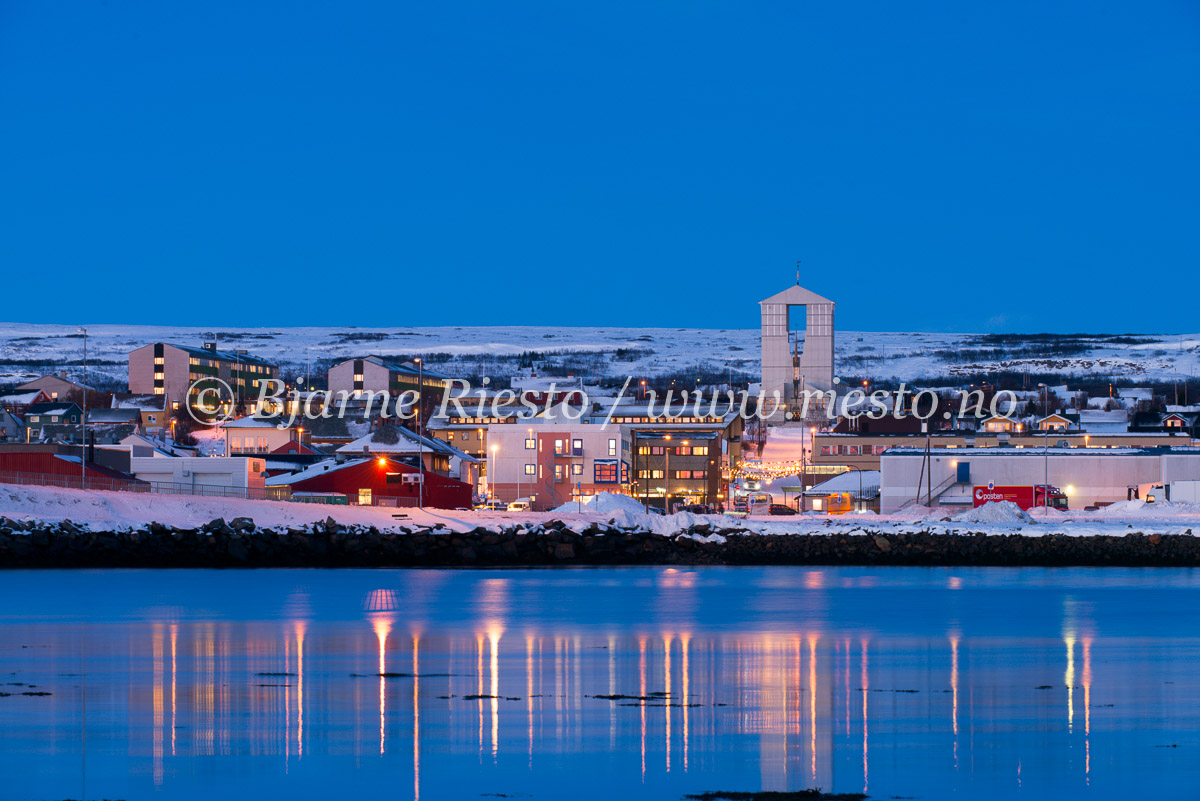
(200, 490)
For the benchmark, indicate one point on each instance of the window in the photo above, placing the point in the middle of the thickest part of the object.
(657, 450)
(262, 444)
(153, 418)
(643, 450)
(612, 447)
(531, 444)
(657, 474)
(559, 447)
(689, 474)
(577, 470)
(605, 473)
(364, 496)
(558, 472)
(236, 444)
(577, 446)
(33, 418)
(683, 450)
(531, 469)
(700, 450)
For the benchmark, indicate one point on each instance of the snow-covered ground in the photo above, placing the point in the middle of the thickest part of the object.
(121, 510)
(644, 351)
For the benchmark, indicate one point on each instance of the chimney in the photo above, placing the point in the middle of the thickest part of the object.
(211, 347)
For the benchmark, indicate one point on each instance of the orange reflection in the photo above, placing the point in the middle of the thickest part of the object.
(686, 697)
(300, 626)
(1069, 678)
(667, 686)
(866, 691)
(416, 706)
(642, 695)
(812, 701)
(494, 632)
(1087, 709)
(383, 626)
(157, 703)
(954, 692)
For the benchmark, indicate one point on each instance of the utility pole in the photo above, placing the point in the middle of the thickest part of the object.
(83, 418)
(420, 434)
(1045, 447)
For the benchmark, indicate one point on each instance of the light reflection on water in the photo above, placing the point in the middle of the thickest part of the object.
(448, 684)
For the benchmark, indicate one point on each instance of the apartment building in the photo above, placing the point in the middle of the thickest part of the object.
(177, 371)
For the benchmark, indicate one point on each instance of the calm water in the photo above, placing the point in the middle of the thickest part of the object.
(904, 682)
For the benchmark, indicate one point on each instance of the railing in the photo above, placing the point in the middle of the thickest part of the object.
(936, 492)
(198, 490)
(117, 485)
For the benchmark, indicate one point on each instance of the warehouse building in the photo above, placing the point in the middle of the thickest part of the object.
(1087, 476)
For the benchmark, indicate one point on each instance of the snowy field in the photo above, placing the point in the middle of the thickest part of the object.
(614, 352)
(105, 511)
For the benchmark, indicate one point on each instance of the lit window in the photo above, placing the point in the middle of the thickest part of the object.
(612, 447)
(530, 469)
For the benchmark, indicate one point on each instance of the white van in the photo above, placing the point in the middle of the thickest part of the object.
(519, 505)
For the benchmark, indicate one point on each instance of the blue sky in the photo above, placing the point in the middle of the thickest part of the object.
(937, 166)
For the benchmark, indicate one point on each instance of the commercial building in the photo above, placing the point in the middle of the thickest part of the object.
(862, 451)
(1088, 476)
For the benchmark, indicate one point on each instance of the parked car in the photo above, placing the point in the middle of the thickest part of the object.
(494, 505)
(520, 505)
(780, 509)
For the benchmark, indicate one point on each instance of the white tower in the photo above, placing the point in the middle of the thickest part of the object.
(779, 369)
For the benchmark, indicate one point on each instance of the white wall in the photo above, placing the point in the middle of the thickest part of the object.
(193, 471)
(1086, 475)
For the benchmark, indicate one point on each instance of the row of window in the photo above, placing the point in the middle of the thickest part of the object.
(34, 418)
(852, 450)
(602, 472)
(680, 474)
(680, 450)
(238, 445)
(663, 418)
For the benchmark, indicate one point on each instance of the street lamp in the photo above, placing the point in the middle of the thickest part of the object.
(1045, 447)
(667, 476)
(492, 473)
(420, 433)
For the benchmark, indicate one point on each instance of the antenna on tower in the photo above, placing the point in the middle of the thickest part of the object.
(797, 272)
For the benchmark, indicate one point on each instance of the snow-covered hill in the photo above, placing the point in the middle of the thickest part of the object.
(27, 350)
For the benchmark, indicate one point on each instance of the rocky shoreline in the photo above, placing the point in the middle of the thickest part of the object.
(240, 543)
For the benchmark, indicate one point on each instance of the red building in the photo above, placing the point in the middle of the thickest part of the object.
(373, 482)
(46, 467)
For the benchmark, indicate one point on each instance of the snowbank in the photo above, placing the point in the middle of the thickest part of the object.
(994, 512)
(602, 503)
